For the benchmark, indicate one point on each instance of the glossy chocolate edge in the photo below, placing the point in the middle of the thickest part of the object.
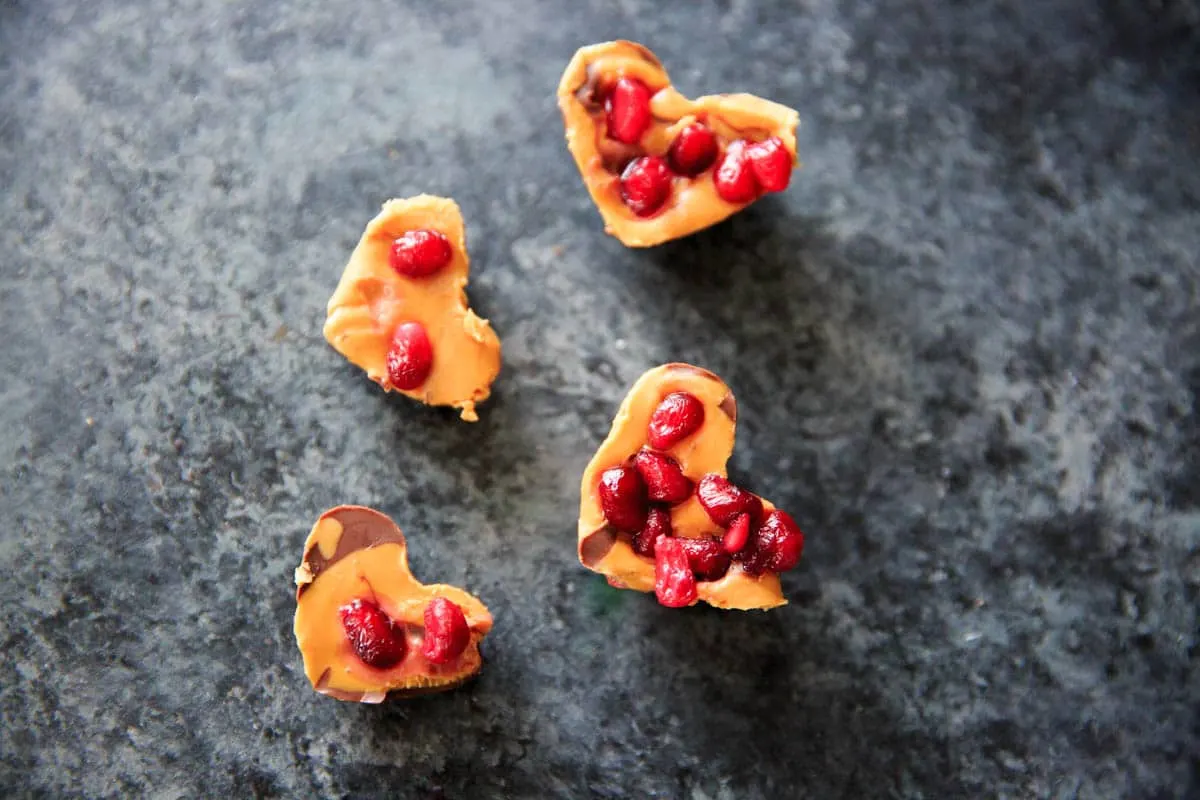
(362, 528)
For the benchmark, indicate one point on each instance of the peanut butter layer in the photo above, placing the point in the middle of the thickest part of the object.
(694, 203)
(603, 551)
(352, 553)
(372, 300)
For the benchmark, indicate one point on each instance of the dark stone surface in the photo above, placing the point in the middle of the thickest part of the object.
(966, 347)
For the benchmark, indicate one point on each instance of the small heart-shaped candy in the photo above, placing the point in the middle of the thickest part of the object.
(367, 629)
(400, 310)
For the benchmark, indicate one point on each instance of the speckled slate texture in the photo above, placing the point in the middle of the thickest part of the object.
(966, 347)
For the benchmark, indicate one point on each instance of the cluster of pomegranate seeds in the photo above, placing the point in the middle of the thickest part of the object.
(664, 478)
(677, 417)
(674, 581)
(376, 640)
(772, 543)
(410, 356)
(446, 631)
(646, 185)
(747, 170)
(627, 110)
(636, 498)
(743, 172)
(420, 253)
(693, 151)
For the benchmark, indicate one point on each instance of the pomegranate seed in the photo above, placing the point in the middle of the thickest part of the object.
(646, 185)
(779, 542)
(628, 110)
(674, 581)
(771, 164)
(738, 534)
(707, 558)
(446, 631)
(410, 357)
(665, 481)
(377, 641)
(693, 151)
(734, 177)
(623, 498)
(677, 417)
(723, 501)
(658, 523)
(420, 253)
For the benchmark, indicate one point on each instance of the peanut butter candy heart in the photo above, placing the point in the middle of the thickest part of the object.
(400, 310)
(657, 512)
(658, 165)
(367, 629)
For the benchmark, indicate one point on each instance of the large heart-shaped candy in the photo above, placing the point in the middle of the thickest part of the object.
(658, 165)
(657, 512)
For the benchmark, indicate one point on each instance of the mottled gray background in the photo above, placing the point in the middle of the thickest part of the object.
(966, 347)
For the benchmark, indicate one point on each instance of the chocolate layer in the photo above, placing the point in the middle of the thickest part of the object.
(596, 545)
(362, 528)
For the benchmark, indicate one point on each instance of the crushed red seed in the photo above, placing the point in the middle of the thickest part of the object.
(375, 638)
(734, 176)
(646, 185)
(738, 534)
(420, 253)
(410, 357)
(677, 417)
(694, 150)
(665, 481)
(623, 498)
(723, 501)
(658, 523)
(771, 164)
(674, 581)
(627, 110)
(779, 542)
(446, 631)
(707, 558)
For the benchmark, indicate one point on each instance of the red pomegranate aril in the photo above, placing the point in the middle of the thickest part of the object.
(734, 177)
(693, 151)
(771, 164)
(376, 640)
(410, 358)
(665, 481)
(658, 523)
(627, 110)
(677, 417)
(646, 185)
(779, 542)
(446, 631)
(623, 498)
(420, 253)
(707, 558)
(737, 535)
(674, 581)
(723, 501)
